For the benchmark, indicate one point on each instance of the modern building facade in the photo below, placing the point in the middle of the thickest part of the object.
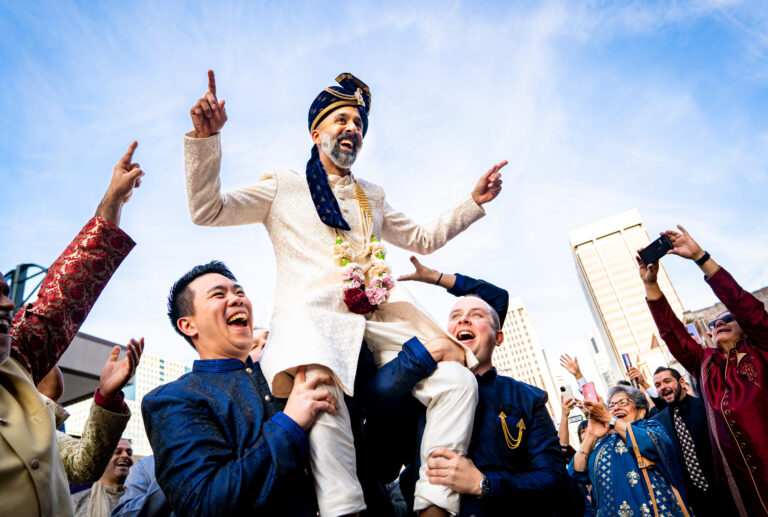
(520, 355)
(153, 371)
(604, 253)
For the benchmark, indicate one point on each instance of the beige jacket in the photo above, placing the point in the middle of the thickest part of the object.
(28, 446)
(85, 459)
(310, 322)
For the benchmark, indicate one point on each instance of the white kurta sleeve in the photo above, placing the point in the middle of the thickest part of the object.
(208, 205)
(401, 231)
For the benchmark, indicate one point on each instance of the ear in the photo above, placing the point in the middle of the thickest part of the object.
(187, 327)
(709, 334)
(316, 136)
(499, 337)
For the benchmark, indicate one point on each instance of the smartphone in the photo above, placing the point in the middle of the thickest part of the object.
(589, 392)
(566, 393)
(655, 250)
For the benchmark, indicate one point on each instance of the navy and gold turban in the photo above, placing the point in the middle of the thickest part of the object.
(351, 92)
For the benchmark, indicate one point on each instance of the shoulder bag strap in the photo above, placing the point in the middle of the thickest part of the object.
(643, 464)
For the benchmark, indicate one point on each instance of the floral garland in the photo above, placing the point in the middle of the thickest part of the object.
(359, 298)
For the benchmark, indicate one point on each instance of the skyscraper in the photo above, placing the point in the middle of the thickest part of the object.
(153, 371)
(604, 252)
(520, 355)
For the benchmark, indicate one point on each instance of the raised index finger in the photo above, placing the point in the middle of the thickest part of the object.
(211, 82)
(126, 159)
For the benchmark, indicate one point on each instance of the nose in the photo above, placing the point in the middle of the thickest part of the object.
(719, 323)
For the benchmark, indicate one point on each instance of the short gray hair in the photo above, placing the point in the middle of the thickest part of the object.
(635, 396)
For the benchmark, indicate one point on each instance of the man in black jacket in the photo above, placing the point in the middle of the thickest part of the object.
(685, 420)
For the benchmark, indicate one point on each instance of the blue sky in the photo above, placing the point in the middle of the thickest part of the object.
(599, 107)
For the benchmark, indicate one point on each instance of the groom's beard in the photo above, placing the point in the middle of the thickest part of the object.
(341, 158)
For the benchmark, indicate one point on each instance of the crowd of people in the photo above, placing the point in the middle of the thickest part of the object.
(354, 401)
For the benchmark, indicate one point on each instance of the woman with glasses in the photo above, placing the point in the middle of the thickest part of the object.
(622, 484)
(732, 377)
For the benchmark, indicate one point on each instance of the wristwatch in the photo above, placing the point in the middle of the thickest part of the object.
(612, 423)
(485, 486)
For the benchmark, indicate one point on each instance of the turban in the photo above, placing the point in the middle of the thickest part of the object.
(350, 92)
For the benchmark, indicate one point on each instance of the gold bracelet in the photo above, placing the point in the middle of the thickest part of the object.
(586, 454)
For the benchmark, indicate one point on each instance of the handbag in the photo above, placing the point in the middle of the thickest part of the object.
(644, 464)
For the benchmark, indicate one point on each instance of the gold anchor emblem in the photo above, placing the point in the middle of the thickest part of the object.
(512, 443)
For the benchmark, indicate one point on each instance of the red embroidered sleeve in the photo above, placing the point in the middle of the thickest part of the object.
(42, 330)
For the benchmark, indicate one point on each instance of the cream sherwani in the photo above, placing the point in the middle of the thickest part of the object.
(311, 323)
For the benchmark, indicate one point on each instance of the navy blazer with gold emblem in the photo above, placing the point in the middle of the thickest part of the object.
(514, 441)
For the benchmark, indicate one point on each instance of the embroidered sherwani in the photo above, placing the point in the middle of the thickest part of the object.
(733, 388)
(310, 323)
(32, 475)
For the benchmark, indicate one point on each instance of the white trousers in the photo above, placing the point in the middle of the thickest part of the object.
(449, 394)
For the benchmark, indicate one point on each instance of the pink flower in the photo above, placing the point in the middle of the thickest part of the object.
(352, 284)
(376, 295)
(386, 281)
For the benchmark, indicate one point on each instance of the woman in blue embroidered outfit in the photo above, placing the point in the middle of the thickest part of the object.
(608, 457)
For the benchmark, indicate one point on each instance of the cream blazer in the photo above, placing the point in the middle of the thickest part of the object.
(32, 475)
(310, 322)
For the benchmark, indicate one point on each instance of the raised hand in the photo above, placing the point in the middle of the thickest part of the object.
(126, 176)
(422, 273)
(634, 373)
(307, 399)
(571, 365)
(684, 245)
(208, 114)
(649, 273)
(116, 374)
(489, 185)
(568, 405)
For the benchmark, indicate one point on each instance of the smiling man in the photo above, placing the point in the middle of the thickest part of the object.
(685, 420)
(334, 287)
(223, 444)
(732, 376)
(103, 496)
(514, 463)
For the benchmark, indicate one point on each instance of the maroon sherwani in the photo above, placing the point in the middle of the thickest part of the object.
(734, 388)
(32, 475)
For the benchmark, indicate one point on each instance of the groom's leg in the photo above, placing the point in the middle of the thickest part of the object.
(332, 456)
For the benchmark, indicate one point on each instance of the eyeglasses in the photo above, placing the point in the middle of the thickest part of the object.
(725, 319)
(619, 403)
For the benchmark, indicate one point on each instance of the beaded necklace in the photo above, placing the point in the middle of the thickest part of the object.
(359, 298)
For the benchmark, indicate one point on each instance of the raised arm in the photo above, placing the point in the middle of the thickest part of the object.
(208, 205)
(683, 347)
(748, 310)
(401, 231)
(461, 285)
(42, 330)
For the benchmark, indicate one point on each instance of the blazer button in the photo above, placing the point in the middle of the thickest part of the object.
(727, 411)
(267, 398)
(3, 421)
(35, 464)
(306, 471)
(743, 445)
(248, 370)
(754, 468)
